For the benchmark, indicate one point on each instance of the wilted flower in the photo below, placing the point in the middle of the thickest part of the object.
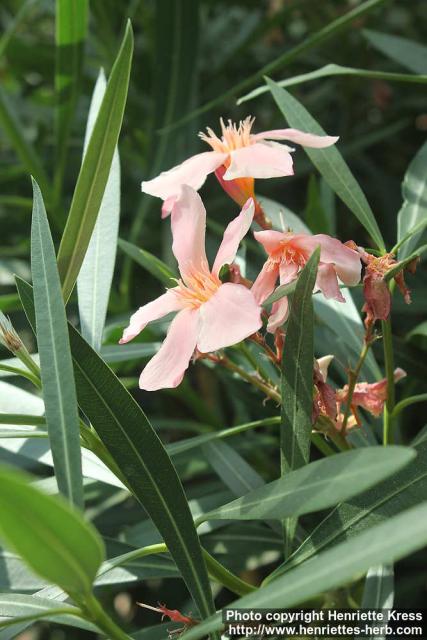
(237, 158)
(211, 314)
(173, 614)
(288, 253)
(375, 287)
(325, 403)
(369, 396)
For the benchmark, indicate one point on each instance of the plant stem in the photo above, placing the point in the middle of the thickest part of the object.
(254, 380)
(406, 402)
(388, 436)
(222, 575)
(353, 377)
(95, 612)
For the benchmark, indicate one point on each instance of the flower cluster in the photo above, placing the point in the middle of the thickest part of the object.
(210, 313)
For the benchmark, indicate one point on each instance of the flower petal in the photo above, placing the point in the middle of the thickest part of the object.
(347, 261)
(279, 313)
(265, 283)
(270, 240)
(192, 172)
(297, 136)
(231, 315)
(260, 160)
(166, 369)
(188, 230)
(235, 231)
(154, 310)
(327, 282)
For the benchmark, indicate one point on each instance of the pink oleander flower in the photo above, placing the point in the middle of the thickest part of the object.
(288, 253)
(237, 158)
(211, 314)
(369, 396)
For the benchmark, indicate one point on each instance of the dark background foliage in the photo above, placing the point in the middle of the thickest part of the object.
(188, 52)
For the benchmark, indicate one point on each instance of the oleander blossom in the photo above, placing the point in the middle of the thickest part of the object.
(211, 315)
(288, 253)
(237, 158)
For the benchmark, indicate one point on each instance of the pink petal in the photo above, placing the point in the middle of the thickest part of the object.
(154, 310)
(279, 313)
(299, 137)
(270, 240)
(280, 309)
(233, 235)
(327, 282)
(265, 283)
(260, 160)
(347, 261)
(166, 369)
(188, 230)
(231, 315)
(168, 205)
(192, 172)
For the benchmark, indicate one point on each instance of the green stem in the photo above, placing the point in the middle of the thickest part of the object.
(95, 612)
(254, 380)
(406, 402)
(21, 372)
(389, 371)
(353, 377)
(253, 362)
(321, 444)
(222, 575)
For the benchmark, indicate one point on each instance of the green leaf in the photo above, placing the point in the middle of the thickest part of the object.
(338, 70)
(55, 359)
(52, 537)
(233, 470)
(315, 214)
(414, 209)
(330, 30)
(297, 381)
(95, 169)
(148, 261)
(406, 489)
(316, 486)
(124, 352)
(26, 608)
(379, 589)
(405, 52)
(9, 302)
(329, 162)
(136, 449)
(71, 22)
(14, 25)
(96, 273)
(384, 543)
(282, 217)
(297, 372)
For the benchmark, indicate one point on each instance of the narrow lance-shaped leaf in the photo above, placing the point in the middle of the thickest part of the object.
(148, 261)
(297, 381)
(379, 591)
(140, 455)
(414, 209)
(409, 54)
(55, 358)
(329, 162)
(96, 273)
(405, 489)
(71, 18)
(317, 485)
(383, 544)
(338, 70)
(49, 535)
(95, 169)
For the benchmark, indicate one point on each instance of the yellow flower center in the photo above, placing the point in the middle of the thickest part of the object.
(233, 136)
(197, 288)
